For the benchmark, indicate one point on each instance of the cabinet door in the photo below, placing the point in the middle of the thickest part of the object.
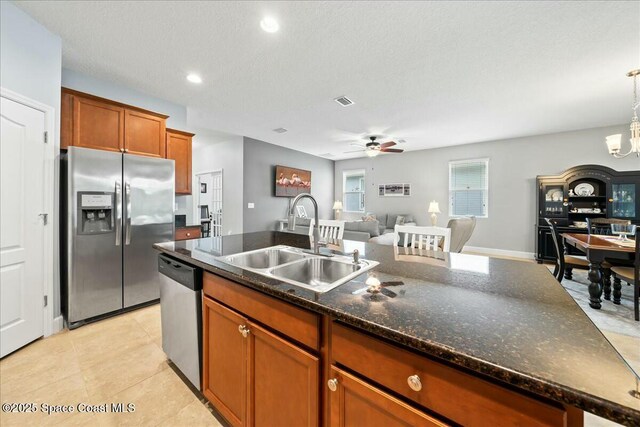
(624, 201)
(284, 388)
(179, 149)
(225, 353)
(66, 120)
(553, 200)
(144, 134)
(97, 124)
(357, 403)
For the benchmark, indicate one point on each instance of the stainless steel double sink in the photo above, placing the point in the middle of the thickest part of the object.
(307, 270)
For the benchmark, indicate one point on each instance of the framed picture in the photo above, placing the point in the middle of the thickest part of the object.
(203, 187)
(291, 181)
(302, 212)
(394, 190)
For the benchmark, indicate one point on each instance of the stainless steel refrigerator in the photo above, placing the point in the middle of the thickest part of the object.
(115, 206)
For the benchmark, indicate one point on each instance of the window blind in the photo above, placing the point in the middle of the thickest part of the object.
(468, 187)
(353, 199)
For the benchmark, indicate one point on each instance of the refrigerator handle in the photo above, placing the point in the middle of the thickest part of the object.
(127, 230)
(118, 212)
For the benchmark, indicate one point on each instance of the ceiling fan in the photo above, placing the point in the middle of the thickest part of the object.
(373, 148)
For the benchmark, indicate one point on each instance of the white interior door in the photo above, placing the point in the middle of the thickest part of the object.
(22, 234)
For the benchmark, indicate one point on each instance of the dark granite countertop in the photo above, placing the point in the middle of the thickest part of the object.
(508, 320)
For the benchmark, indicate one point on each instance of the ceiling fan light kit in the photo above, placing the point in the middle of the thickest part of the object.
(374, 148)
(614, 142)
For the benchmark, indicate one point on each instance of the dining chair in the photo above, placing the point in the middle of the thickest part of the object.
(631, 275)
(431, 238)
(603, 225)
(564, 261)
(328, 228)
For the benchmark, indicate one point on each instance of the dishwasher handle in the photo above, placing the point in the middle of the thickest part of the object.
(185, 274)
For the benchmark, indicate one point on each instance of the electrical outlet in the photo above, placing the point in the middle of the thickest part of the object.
(251, 205)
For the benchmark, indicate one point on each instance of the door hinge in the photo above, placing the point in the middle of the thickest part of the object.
(45, 218)
(46, 137)
(46, 300)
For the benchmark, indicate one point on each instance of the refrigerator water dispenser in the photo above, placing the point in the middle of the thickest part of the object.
(95, 212)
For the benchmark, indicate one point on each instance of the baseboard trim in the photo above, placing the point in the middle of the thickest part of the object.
(499, 252)
(58, 325)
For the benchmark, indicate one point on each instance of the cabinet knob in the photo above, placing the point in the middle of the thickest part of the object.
(244, 331)
(332, 384)
(126, 150)
(188, 234)
(414, 382)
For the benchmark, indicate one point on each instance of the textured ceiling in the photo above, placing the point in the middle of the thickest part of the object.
(432, 73)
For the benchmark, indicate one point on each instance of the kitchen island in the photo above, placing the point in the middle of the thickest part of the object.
(489, 326)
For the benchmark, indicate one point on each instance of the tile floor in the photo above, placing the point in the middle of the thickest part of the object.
(117, 360)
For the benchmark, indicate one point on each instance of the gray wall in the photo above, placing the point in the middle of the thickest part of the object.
(30, 64)
(105, 89)
(513, 166)
(260, 159)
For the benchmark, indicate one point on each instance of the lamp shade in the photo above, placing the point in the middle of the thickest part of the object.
(337, 205)
(434, 207)
(614, 142)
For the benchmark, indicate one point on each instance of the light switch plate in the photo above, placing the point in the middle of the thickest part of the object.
(251, 205)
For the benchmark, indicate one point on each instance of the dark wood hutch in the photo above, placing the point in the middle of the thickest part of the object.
(565, 198)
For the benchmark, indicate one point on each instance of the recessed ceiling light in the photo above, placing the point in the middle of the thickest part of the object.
(194, 78)
(280, 130)
(269, 24)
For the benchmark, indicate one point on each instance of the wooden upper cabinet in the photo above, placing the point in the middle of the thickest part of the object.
(66, 120)
(97, 124)
(92, 122)
(179, 149)
(144, 133)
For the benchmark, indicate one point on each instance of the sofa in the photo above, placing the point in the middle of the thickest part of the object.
(362, 231)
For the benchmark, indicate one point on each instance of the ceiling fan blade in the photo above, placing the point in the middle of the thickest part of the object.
(355, 144)
(391, 150)
(387, 144)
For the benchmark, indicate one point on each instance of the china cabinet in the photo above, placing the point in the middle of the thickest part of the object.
(587, 191)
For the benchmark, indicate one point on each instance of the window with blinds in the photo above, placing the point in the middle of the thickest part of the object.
(469, 188)
(353, 182)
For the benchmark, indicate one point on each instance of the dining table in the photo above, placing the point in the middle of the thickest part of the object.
(597, 249)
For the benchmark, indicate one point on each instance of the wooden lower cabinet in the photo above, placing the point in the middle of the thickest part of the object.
(355, 403)
(283, 386)
(254, 377)
(224, 370)
(186, 233)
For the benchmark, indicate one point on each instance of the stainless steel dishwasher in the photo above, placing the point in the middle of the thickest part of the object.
(181, 316)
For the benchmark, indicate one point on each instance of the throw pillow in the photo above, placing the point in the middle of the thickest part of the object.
(400, 220)
(369, 217)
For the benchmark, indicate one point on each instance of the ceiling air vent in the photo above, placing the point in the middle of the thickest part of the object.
(280, 130)
(327, 155)
(344, 101)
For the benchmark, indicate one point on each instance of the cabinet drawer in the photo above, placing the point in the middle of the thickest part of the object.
(185, 233)
(354, 402)
(458, 396)
(296, 323)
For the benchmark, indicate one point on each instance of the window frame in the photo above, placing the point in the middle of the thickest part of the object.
(484, 160)
(349, 173)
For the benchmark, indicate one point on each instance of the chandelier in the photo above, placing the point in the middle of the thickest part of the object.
(614, 142)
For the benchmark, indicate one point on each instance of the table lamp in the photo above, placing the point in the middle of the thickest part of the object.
(434, 209)
(337, 206)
